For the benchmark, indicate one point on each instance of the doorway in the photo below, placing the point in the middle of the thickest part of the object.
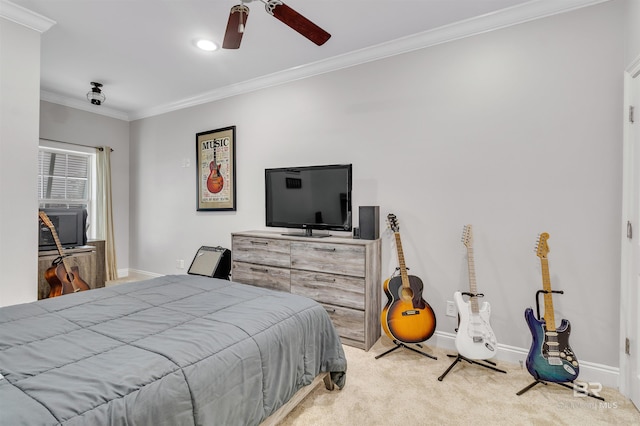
(630, 274)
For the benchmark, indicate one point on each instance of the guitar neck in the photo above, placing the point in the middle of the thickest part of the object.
(60, 251)
(403, 266)
(548, 299)
(472, 281)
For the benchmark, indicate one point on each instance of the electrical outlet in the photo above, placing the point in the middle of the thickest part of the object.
(451, 309)
(180, 263)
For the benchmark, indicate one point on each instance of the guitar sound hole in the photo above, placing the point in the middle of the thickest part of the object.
(406, 293)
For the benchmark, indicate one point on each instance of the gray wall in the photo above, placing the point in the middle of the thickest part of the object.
(516, 131)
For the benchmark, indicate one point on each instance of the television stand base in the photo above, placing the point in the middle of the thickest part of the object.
(307, 236)
(307, 233)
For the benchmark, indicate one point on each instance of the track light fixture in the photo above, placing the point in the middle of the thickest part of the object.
(95, 95)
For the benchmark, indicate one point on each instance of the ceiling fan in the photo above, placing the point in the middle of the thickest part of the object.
(239, 14)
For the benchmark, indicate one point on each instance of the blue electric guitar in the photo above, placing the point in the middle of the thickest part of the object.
(550, 357)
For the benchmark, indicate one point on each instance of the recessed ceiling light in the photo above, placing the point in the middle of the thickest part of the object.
(207, 45)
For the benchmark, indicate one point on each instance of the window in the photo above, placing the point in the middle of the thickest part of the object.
(65, 179)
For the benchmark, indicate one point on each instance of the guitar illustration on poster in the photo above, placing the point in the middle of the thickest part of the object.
(215, 181)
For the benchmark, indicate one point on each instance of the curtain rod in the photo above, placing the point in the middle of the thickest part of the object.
(76, 144)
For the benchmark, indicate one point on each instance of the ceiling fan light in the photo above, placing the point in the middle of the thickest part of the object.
(207, 45)
(95, 95)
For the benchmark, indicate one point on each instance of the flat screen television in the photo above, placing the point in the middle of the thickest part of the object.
(309, 197)
(70, 225)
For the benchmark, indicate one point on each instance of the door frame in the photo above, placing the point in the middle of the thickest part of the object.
(630, 263)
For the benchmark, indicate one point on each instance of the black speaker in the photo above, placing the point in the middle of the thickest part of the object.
(211, 262)
(369, 217)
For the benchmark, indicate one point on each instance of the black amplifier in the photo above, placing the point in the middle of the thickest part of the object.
(211, 262)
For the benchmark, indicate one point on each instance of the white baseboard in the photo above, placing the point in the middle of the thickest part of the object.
(589, 371)
(122, 273)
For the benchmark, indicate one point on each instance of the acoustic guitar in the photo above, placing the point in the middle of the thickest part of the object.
(407, 317)
(475, 338)
(215, 182)
(550, 358)
(62, 278)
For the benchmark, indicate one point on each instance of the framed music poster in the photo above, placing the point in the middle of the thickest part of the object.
(216, 169)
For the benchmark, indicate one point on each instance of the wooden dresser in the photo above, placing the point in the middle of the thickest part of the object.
(341, 273)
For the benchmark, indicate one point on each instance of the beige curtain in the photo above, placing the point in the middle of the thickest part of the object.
(104, 228)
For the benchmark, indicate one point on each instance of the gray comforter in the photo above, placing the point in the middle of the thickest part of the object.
(175, 350)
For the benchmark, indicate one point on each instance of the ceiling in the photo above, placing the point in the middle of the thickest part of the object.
(144, 53)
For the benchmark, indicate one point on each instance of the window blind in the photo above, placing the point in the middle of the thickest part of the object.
(64, 178)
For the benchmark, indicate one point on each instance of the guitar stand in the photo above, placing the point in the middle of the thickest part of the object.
(538, 299)
(402, 345)
(563, 384)
(485, 363)
(466, 293)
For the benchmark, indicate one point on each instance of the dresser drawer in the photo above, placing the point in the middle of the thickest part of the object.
(262, 276)
(338, 290)
(349, 323)
(343, 259)
(263, 251)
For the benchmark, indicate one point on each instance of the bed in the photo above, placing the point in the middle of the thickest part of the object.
(173, 350)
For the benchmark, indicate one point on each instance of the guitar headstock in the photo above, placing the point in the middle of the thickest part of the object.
(542, 248)
(467, 236)
(45, 219)
(392, 220)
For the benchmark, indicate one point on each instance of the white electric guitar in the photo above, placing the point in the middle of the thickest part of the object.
(475, 338)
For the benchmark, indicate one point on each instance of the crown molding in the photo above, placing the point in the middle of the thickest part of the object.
(22, 16)
(634, 68)
(511, 16)
(489, 22)
(83, 105)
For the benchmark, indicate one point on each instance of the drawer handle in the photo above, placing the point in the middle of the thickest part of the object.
(325, 279)
(325, 249)
(259, 270)
(260, 243)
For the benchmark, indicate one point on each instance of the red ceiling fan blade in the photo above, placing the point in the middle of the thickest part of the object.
(298, 22)
(235, 27)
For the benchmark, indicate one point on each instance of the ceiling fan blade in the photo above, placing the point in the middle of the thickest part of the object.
(235, 27)
(298, 22)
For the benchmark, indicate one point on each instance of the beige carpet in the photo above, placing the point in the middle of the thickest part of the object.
(402, 388)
